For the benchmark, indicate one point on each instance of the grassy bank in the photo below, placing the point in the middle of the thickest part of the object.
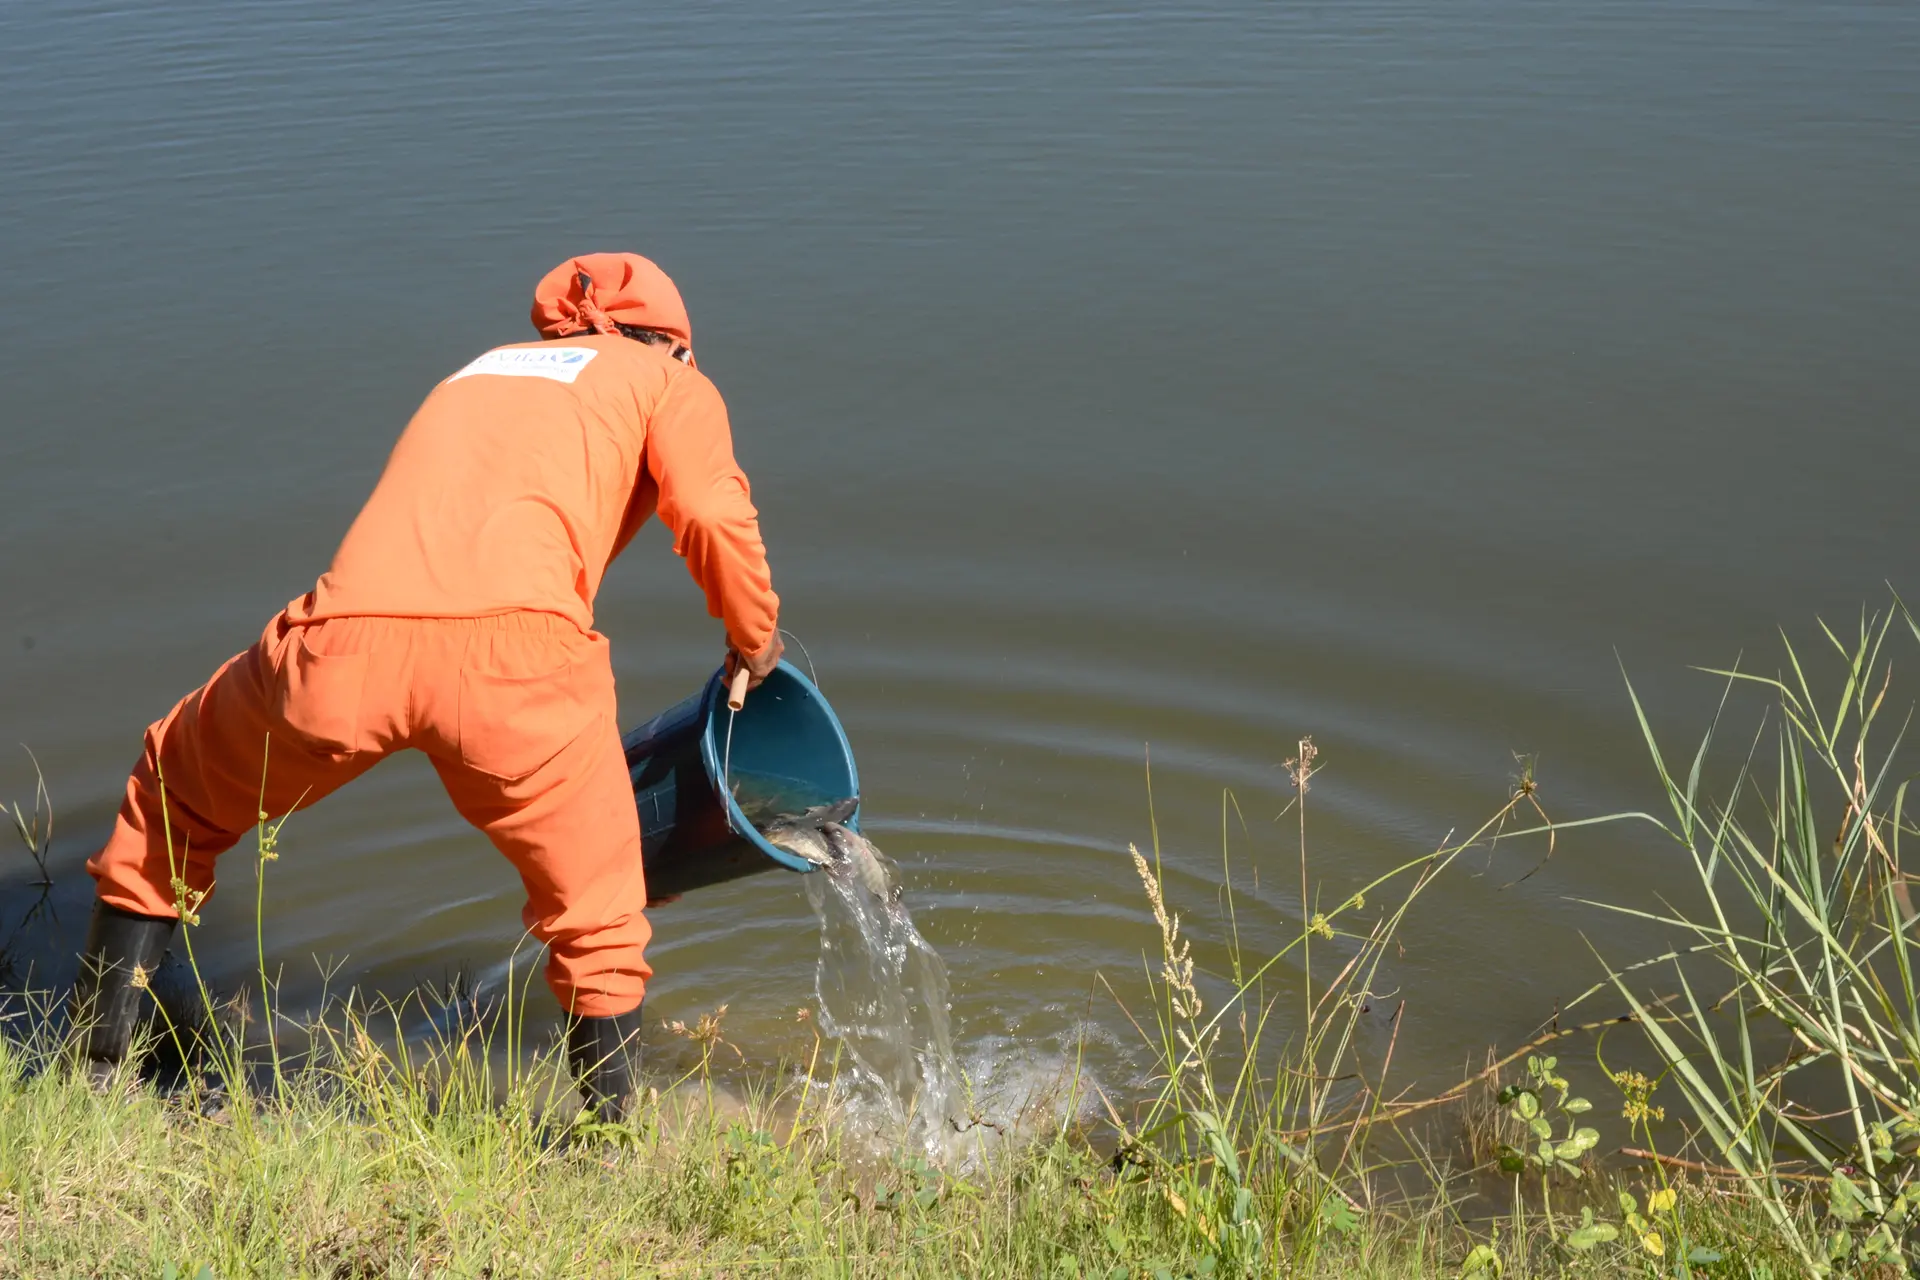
(366, 1174)
(1785, 1016)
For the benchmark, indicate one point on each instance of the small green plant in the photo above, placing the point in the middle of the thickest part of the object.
(1484, 1261)
(1863, 1233)
(919, 1186)
(1645, 1227)
(35, 826)
(1591, 1232)
(1535, 1105)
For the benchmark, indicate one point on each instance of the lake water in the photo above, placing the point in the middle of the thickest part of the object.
(1113, 379)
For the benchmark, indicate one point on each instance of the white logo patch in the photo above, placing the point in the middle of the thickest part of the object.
(562, 364)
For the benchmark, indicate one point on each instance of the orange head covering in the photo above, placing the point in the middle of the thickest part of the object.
(590, 294)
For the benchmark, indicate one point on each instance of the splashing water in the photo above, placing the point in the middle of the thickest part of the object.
(883, 993)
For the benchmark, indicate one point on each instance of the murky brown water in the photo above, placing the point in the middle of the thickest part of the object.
(1198, 377)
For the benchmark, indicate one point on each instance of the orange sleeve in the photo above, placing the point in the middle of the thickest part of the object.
(704, 500)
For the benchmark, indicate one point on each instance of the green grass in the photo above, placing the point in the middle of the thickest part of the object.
(359, 1172)
(1267, 1144)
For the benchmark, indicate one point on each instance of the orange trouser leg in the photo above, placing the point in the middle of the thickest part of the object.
(207, 758)
(572, 831)
(534, 760)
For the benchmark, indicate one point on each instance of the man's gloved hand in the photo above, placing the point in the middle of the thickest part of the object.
(760, 665)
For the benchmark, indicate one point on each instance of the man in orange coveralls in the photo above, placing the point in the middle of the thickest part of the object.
(457, 618)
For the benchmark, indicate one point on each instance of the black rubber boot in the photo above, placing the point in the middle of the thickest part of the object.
(123, 952)
(605, 1055)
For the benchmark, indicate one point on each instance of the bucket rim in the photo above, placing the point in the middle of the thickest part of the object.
(713, 705)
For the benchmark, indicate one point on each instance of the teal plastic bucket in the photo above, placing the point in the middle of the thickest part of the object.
(698, 797)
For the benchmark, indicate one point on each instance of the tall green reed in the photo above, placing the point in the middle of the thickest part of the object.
(1794, 1035)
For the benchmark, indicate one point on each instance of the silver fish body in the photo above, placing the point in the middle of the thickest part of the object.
(867, 864)
(821, 814)
(821, 836)
(805, 842)
(804, 834)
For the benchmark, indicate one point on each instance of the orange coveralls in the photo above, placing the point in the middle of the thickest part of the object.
(457, 618)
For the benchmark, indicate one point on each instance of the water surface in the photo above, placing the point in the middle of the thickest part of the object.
(1114, 380)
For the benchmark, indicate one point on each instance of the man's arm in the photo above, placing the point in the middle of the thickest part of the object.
(706, 503)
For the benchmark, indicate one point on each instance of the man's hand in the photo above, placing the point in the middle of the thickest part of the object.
(760, 665)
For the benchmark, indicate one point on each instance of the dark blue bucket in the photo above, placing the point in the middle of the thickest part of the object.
(788, 753)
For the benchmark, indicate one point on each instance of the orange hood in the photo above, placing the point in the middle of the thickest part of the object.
(590, 294)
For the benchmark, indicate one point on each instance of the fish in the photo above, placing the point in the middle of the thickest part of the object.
(870, 867)
(821, 836)
(803, 842)
(803, 834)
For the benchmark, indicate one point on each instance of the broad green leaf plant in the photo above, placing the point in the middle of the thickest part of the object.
(1545, 1097)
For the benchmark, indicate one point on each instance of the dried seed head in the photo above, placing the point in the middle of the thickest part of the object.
(1176, 956)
